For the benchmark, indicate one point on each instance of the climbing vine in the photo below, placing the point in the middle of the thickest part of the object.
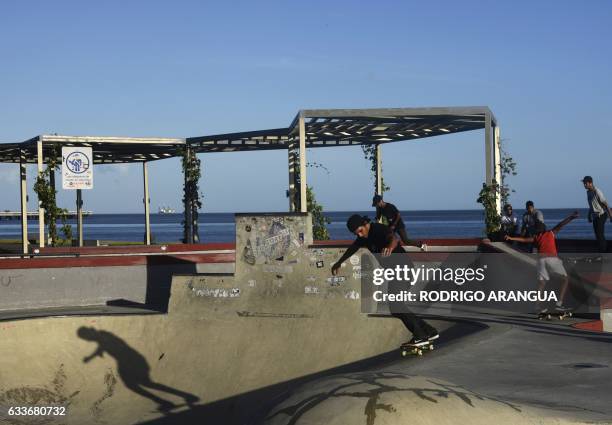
(191, 195)
(47, 197)
(369, 152)
(508, 168)
(319, 220)
(487, 197)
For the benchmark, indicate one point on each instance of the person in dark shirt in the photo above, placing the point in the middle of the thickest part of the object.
(394, 220)
(380, 239)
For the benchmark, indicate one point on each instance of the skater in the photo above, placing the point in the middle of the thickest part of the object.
(394, 220)
(545, 242)
(599, 211)
(380, 239)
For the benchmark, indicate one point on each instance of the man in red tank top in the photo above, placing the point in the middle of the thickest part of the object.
(546, 244)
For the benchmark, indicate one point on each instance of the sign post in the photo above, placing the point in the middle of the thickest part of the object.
(77, 174)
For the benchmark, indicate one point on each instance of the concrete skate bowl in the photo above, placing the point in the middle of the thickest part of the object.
(229, 345)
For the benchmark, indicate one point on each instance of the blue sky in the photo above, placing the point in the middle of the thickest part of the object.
(180, 69)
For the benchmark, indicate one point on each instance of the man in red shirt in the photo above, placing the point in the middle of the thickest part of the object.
(546, 244)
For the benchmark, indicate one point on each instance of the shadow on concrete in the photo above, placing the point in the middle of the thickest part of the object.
(160, 269)
(132, 367)
(253, 407)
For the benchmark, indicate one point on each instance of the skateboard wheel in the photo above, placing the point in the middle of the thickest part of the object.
(420, 352)
(404, 353)
(549, 317)
(431, 347)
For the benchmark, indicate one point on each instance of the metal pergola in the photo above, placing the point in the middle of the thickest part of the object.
(311, 128)
(106, 150)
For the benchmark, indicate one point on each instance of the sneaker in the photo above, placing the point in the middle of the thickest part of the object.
(433, 336)
(417, 342)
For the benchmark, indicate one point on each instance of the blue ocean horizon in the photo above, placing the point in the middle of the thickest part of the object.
(219, 227)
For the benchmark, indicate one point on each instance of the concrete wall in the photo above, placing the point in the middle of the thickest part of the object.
(78, 286)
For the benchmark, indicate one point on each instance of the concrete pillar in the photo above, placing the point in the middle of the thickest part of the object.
(24, 200)
(41, 210)
(302, 155)
(146, 200)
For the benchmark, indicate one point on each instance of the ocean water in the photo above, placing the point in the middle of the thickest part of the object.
(219, 227)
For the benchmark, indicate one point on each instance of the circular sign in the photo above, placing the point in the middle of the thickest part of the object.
(77, 162)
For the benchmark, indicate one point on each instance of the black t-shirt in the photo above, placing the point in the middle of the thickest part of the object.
(378, 238)
(390, 212)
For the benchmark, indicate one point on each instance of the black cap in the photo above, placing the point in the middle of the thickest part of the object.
(355, 221)
(587, 179)
(376, 199)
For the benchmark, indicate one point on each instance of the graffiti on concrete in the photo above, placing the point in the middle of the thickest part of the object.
(268, 243)
(54, 394)
(336, 280)
(110, 381)
(274, 315)
(8, 280)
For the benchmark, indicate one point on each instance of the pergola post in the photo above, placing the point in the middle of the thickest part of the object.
(187, 197)
(146, 200)
(498, 174)
(291, 164)
(302, 154)
(488, 150)
(41, 210)
(24, 200)
(52, 185)
(378, 172)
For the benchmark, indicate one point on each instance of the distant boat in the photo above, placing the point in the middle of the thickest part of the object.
(166, 210)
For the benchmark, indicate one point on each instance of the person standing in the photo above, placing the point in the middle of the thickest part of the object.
(529, 219)
(599, 211)
(394, 220)
(509, 222)
(380, 239)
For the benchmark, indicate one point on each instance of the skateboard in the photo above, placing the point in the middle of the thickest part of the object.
(549, 315)
(416, 349)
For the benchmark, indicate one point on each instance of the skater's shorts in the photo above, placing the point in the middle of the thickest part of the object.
(550, 264)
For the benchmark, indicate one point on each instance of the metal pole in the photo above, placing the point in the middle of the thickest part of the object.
(146, 200)
(302, 153)
(378, 156)
(24, 201)
(79, 205)
(41, 210)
